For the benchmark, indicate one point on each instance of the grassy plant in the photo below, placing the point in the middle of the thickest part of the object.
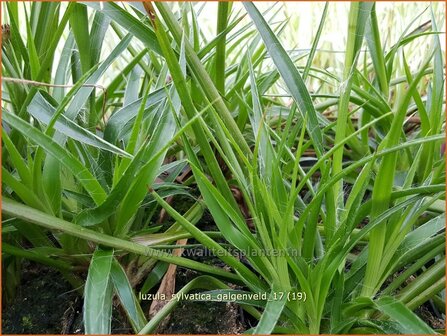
(341, 209)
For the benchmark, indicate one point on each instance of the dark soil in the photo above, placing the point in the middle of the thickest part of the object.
(47, 304)
(427, 314)
(191, 317)
(44, 299)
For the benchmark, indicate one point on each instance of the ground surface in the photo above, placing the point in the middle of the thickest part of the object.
(46, 304)
(44, 299)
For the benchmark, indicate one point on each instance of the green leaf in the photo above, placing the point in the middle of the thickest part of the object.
(164, 131)
(126, 20)
(117, 82)
(33, 57)
(37, 256)
(23, 192)
(84, 176)
(98, 294)
(383, 185)
(222, 21)
(376, 51)
(271, 313)
(315, 42)
(41, 109)
(115, 127)
(30, 215)
(79, 26)
(185, 97)
(98, 31)
(202, 76)
(84, 93)
(247, 275)
(291, 76)
(17, 160)
(408, 321)
(154, 277)
(358, 15)
(62, 70)
(127, 296)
